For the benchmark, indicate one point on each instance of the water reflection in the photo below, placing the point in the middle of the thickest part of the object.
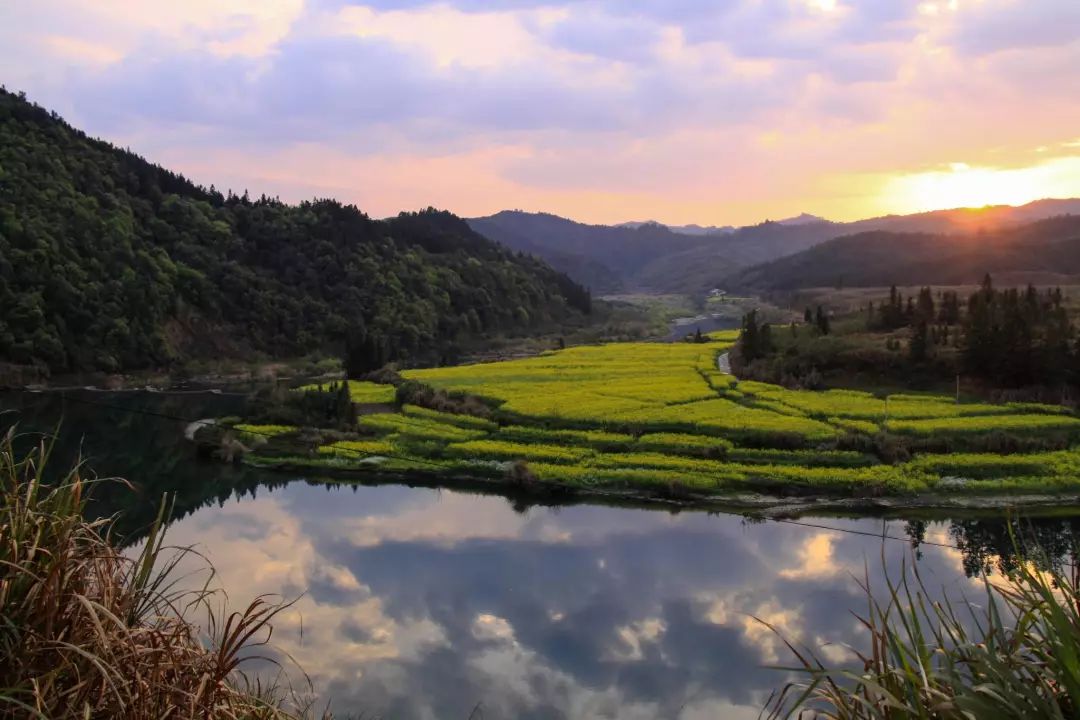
(421, 603)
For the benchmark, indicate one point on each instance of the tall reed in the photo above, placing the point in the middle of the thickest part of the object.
(87, 631)
(1012, 653)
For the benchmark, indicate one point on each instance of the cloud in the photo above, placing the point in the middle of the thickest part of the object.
(997, 25)
(448, 600)
(593, 109)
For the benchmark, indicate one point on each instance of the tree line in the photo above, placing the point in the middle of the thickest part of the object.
(108, 262)
(1008, 337)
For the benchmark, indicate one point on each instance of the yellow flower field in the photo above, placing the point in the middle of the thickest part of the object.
(657, 416)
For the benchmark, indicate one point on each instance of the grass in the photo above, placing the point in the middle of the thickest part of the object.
(91, 632)
(1012, 653)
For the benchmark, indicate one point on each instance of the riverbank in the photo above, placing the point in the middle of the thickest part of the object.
(196, 377)
(661, 421)
(751, 504)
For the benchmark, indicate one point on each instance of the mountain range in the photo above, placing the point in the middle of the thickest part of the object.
(650, 257)
(1041, 252)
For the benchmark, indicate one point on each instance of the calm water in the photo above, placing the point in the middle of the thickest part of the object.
(420, 603)
(705, 323)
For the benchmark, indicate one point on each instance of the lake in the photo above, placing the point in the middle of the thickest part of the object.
(424, 603)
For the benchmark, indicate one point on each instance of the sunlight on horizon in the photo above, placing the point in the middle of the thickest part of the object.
(965, 186)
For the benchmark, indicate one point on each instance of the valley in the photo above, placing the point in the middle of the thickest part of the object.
(514, 461)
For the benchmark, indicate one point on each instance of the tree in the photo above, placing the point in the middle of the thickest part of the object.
(919, 344)
(821, 320)
(105, 256)
(924, 307)
(756, 339)
(344, 409)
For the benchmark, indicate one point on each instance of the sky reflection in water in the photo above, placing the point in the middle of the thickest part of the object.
(422, 604)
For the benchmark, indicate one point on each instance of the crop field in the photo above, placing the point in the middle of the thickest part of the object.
(359, 391)
(661, 418)
(1026, 424)
(425, 428)
(588, 382)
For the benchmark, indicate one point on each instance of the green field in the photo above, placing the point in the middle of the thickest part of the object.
(659, 418)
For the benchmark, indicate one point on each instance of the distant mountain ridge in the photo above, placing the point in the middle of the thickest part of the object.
(1045, 251)
(649, 256)
(682, 229)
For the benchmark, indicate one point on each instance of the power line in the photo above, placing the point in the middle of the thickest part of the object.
(866, 533)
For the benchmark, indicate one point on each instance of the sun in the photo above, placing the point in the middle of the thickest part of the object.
(962, 185)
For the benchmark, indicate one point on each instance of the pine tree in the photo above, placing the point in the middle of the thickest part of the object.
(919, 345)
(749, 343)
(344, 408)
(924, 308)
(822, 321)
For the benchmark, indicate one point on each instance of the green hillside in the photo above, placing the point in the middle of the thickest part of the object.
(108, 262)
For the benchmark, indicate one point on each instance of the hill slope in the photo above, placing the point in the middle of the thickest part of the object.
(108, 262)
(647, 256)
(1047, 251)
(602, 257)
(653, 257)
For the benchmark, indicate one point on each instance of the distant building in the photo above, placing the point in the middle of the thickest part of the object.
(717, 293)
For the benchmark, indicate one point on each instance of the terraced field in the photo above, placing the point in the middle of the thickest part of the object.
(660, 418)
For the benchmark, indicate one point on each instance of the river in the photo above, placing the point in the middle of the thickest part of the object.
(421, 603)
(681, 327)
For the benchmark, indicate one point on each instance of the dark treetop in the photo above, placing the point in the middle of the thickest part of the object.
(108, 262)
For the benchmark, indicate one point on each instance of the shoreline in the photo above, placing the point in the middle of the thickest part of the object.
(755, 504)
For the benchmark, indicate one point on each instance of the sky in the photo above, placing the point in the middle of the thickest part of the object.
(682, 111)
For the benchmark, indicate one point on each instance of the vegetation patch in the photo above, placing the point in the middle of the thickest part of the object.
(503, 450)
(417, 427)
(661, 418)
(978, 425)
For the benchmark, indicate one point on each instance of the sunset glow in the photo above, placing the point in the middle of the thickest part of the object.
(712, 113)
(965, 186)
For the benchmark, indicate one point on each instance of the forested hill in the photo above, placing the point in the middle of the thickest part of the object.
(602, 257)
(647, 256)
(109, 262)
(653, 257)
(1042, 252)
